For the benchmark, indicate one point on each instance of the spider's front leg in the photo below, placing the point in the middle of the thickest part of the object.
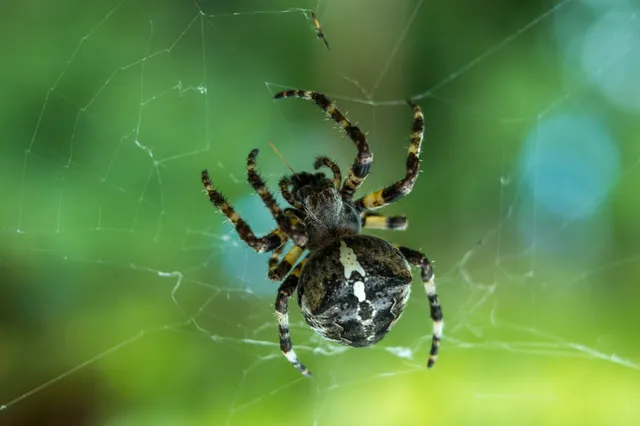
(394, 192)
(294, 230)
(327, 162)
(415, 258)
(260, 244)
(362, 163)
(284, 184)
(285, 291)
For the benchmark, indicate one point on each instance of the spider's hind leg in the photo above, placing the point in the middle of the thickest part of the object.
(285, 291)
(416, 258)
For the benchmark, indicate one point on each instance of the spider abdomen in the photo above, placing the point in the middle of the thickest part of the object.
(353, 290)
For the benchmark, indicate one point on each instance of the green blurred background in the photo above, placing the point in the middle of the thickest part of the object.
(126, 300)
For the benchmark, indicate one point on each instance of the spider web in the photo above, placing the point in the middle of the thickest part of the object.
(128, 300)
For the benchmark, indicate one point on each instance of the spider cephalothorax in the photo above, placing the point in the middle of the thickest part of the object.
(317, 196)
(327, 216)
(351, 288)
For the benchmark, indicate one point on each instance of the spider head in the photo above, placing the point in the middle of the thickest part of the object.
(327, 214)
(315, 191)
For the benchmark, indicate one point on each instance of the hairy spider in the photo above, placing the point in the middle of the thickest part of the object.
(352, 288)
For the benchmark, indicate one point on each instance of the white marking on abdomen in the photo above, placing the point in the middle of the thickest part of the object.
(349, 260)
(358, 291)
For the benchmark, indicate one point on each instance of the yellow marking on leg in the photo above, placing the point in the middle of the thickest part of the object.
(336, 182)
(414, 148)
(353, 181)
(373, 199)
(275, 256)
(296, 272)
(293, 255)
(277, 270)
(375, 222)
(234, 218)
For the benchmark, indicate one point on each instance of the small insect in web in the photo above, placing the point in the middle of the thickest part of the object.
(320, 34)
(351, 288)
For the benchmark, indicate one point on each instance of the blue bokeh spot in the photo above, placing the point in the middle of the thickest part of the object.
(569, 163)
(249, 268)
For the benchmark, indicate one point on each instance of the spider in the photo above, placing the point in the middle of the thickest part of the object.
(352, 288)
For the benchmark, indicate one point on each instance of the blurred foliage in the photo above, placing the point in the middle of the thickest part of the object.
(116, 280)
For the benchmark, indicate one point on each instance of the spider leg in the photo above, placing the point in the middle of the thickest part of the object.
(294, 230)
(278, 270)
(260, 244)
(415, 258)
(284, 184)
(276, 265)
(394, 192)
(327, 162)
(362, 163)
(282, 300)
(372, 220)
(275, 257)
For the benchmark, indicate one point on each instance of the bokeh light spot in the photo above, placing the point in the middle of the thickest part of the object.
(611, 57)
(241, 262)
(568, 165)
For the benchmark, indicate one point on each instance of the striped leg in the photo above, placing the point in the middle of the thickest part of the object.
(327, 162)
(278, 271)
(372, 220)
(401, 188)
(284, 184)
(263, 244)
(282, 300)
(416, 258)
(294, 230)
(362, 162)
(275, 257)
